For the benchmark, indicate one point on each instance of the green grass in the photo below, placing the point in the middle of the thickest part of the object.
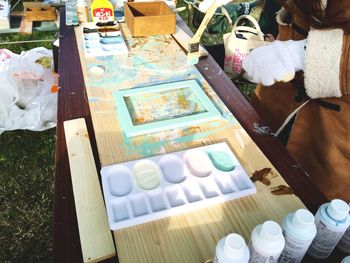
(27, 165)
(36, 35)
(213, 39)
(26, 195)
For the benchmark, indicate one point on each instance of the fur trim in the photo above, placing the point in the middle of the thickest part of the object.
(283, 17)
(322, 63)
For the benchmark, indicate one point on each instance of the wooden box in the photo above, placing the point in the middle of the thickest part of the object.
(149, 18)
(36, 11)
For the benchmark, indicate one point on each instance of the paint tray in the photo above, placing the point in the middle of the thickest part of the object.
(164, 106)
(106, 43)
(149, 189)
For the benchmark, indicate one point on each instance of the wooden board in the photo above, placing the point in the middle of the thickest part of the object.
(26, 26)
(191, 237)
(95, 236)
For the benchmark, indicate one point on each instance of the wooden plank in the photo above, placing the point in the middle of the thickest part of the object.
(183, 39)
(17, 13)
(26, 26)
(38, 14)
(71, 104)
(194, 235)
(95, 236)
(28, 5)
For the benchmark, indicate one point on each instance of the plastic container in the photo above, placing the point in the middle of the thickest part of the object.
(332, 219)
(231, 249)
(299, 230)
(346, 260)
(267, 243)
(344, 243)
(82, 11)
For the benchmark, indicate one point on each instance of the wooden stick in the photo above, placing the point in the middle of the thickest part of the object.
(193, 44)
(95, 236)
(183, 39)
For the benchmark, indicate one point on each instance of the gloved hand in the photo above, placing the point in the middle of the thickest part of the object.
(275, 62)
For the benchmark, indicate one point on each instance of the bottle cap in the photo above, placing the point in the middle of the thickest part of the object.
(270, 230)
(234, 246)
(303, 219)
(338, 209)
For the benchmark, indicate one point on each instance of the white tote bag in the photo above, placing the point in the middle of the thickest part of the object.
(239, 43)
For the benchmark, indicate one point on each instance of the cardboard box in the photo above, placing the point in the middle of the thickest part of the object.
(149, 18)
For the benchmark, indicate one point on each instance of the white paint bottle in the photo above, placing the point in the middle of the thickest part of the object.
(299, 230)
(346, 260)
(231, 249)
(344, 243)
(267, 243)
(332, 219)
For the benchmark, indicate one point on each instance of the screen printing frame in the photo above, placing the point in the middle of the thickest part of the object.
(131, 129)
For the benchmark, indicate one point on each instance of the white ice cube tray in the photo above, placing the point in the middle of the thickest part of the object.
(152, 188)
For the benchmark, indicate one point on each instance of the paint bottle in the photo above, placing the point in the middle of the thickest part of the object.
(267, 243)
(82, 11)
(299, 230)
(344, 243)
(346, 260)
(102, 11)
(332, 219)
(231, 249)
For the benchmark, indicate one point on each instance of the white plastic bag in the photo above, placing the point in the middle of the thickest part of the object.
(26, 99)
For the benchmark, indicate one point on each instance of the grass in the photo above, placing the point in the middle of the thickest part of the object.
(36, 35)
(27, 166)
(26, 195)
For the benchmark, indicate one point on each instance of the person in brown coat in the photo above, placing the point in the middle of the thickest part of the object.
(304, 79)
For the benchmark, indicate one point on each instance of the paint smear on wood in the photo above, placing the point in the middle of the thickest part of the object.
(264, 175)
(282, 190)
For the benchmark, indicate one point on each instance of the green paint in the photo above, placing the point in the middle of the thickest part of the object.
(222, 161)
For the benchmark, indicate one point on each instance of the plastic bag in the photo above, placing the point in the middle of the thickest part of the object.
(27, 100)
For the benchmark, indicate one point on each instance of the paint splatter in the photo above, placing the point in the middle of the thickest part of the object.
(282, 190)
(262, 176)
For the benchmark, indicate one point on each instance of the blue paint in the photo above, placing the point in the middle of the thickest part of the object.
(152, 144)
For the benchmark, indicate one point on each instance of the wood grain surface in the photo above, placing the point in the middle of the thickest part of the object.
(95, 237)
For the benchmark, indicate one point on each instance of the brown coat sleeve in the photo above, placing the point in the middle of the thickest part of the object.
(327, 62)
(345, 66)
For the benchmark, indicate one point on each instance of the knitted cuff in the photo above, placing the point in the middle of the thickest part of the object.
(322, 63)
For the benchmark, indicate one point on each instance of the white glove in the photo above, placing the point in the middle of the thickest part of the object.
(275, 62)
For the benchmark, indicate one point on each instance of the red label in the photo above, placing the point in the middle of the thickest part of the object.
(103, 14)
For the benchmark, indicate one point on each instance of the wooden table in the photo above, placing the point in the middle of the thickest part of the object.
(73, 103)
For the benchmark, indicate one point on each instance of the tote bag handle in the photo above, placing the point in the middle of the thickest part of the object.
(257, 29)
